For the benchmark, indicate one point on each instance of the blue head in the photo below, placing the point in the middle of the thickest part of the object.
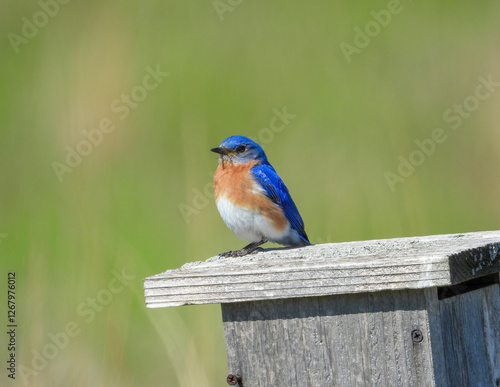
(240, 150)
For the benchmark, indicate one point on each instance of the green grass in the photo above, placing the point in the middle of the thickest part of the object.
(120, 207)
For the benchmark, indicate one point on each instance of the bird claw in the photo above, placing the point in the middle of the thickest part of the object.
(240, 253)
(233, 254)
(228, 254)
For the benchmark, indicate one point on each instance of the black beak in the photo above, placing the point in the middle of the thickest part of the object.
(218, 150)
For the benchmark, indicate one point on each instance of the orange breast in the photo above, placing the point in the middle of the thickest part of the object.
(235, 183)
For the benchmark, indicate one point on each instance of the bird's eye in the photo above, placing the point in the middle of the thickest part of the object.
(241, 148)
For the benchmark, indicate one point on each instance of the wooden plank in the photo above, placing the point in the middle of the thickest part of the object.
(465, 335)
(342, 340)
(328, 269)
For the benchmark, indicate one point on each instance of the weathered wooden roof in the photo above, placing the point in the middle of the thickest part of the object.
(327, 269)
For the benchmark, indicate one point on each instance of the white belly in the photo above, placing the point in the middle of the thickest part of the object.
(248, 225)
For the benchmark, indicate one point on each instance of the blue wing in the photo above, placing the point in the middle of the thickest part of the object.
(276, 190)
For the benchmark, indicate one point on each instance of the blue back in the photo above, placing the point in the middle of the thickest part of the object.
(276, 190)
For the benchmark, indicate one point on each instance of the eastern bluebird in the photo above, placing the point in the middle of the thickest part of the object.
(252, 199)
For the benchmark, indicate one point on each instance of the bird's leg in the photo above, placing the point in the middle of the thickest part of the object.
(250, 248)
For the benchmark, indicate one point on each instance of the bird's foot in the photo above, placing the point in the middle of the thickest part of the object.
(229, 254)
(242, 252)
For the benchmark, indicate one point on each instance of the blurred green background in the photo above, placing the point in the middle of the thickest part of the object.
(135, 204)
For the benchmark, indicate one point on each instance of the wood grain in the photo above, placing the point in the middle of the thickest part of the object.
(465, 335)
(342, 314)
(329, 269)
(352, 340)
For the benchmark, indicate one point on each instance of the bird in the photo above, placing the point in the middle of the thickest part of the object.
(252, 199)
